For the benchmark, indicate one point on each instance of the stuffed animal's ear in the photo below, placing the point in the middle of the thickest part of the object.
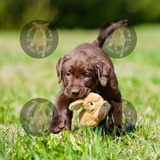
(104, 110)
(76, 105)
(103, 71)
(108, 106)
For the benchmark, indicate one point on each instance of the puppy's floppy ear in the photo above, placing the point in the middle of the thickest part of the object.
(103, 71)
(59, 66)
(59, 69)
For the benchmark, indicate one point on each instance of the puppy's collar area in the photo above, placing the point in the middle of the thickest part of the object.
(97, 91)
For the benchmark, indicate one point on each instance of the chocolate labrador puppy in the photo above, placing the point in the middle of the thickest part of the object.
(87, 69)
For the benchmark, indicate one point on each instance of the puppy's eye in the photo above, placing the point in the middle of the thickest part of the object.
(86, 75)
(91, 103)
(68, 74)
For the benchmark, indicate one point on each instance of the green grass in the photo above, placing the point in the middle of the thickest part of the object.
(23, 78)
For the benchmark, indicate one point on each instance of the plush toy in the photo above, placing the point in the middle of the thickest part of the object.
(94, 110)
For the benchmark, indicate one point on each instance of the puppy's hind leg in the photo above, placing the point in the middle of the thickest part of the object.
(115, 117)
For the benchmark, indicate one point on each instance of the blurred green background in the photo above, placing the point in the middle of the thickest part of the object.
(77, 14)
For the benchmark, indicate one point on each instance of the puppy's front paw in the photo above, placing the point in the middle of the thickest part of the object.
(56, 125)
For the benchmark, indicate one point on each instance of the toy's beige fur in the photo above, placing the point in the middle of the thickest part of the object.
(39, 38)
(94, 110)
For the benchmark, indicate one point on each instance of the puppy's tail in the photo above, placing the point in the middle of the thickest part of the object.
(106, 32)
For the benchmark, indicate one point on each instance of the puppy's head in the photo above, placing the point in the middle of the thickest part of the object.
(81, 73)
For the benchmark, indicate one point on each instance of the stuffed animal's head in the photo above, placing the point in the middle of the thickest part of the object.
(92, 102)
(94, 110)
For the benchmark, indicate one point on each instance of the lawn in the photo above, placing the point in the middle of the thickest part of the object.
(23, 78)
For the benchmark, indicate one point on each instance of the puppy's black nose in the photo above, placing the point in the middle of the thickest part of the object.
(75, 92)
